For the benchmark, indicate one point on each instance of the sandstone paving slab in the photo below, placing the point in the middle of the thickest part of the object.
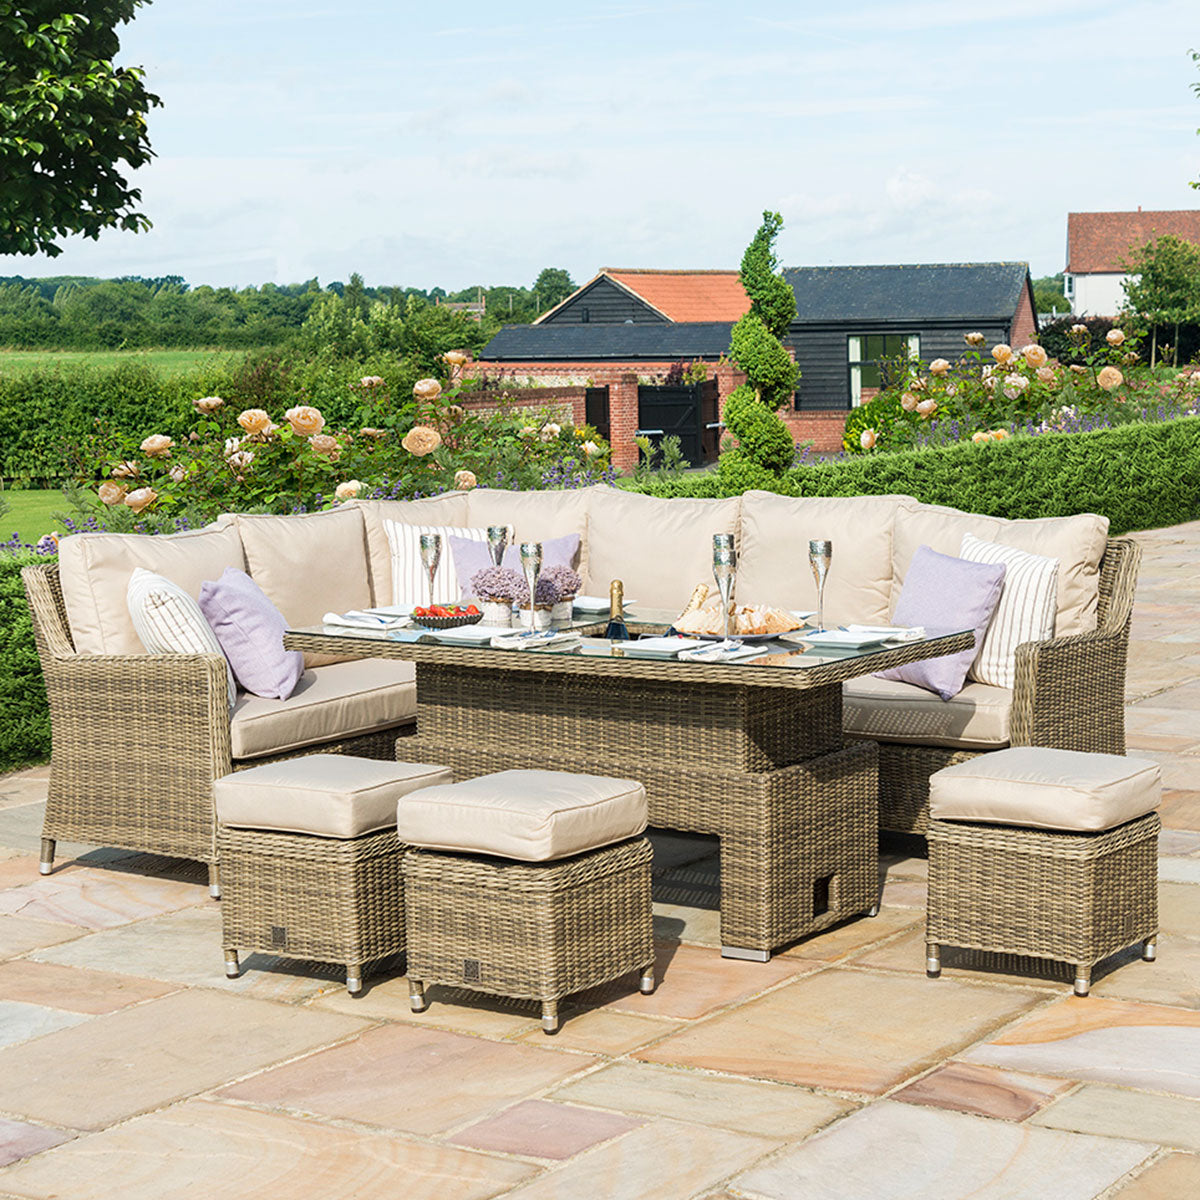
(73, 989)
(905, 893)
(1180, 809)
(1172, 979)
(20, 1022)
(603, 1031)
(139, 1058)
(539, 1129)
(982, 1091)
(852, 936)
(1179, 870)
(687, 923)
(1179, 908)
(772, 1110)
(20, 935)
(845, 1030)
(185, 947)
(202, 1149)
(19, 1139)
(892, 1151)
(21, 829)
(418, 1080)
(666, 1160)
(1117, 1112)
(1145, 1046)
(1173, 1177)
(1180, 843)
(99, 899)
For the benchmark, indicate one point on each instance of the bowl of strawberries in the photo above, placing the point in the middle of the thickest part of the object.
(447, 616)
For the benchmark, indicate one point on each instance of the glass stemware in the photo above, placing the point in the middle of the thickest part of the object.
(531, 565)
(820, 555)
(497, 540)
(724, 572)
(431, 556)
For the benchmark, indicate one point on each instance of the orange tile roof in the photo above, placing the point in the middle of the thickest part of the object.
(1102, 241)
(687, 295)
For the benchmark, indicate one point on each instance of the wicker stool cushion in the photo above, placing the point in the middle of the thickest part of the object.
(534, 816)
(1046, 789)
(329, 795)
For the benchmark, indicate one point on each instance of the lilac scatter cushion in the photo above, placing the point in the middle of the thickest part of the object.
(945, 594)
(250, 629)
(470, 557)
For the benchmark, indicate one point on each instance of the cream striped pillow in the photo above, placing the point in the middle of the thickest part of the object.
(410, 583)
(1025, 613)
(169, 621)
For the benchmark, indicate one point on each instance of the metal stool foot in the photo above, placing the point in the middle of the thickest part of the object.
(1083, 980)
(933, 960)
(416, 996)
(873, 911)
(647, 983)
(1150, 949)
(549, 1016)
(46, 865)
(232, 967)
(746, 954)
(354, 979)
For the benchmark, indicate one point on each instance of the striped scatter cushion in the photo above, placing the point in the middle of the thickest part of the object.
(1025, 612)
(410, 582)
(169, 621)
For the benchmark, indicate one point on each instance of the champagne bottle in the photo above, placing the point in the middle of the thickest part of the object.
(617, 631)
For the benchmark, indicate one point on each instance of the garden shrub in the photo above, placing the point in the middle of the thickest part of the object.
(25, 729)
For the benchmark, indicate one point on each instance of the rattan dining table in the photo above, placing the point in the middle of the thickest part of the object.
(750, 751)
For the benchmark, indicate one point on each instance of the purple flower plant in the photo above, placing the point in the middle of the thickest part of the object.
(567, 581)
(499, 583)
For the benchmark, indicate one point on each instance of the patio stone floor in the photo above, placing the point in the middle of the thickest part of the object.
(131, 1067)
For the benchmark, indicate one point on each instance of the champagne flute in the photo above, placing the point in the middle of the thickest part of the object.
(431, 556)
(724, 571)
(497, 540)
(531, 564)
(820, 555)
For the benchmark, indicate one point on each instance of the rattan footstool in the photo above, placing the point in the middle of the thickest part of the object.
(1044, 853)
(310, 861)
(527, 884)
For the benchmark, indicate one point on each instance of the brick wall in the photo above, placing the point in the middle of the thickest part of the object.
(1024, 326)
(569, 402)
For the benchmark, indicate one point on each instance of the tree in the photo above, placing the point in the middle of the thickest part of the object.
(553, 286)
(68, 120)
(1163, 286)
(1195, 88)
(1048, 294)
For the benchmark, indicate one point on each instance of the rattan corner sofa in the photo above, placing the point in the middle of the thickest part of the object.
(138, 739)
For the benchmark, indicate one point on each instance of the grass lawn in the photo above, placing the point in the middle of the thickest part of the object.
(169, 362)
(31, 513)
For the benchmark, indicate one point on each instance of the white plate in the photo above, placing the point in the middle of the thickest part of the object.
(841, 639)
(595, 603)
(749, 638)
(659, 647)
(472, 634)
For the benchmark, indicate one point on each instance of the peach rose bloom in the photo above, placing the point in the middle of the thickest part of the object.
(550, 431)
(254, 420)
(304, 420)
(177, 473)
(125, 470)
(1079, 330)
(1078, 369)
(999, 434)
(1046, 374)
(1110, 378)
(1035, 356)
(980, 436)
(371, 381)
(1115, 337)
(455, 412)
(464, 480)
(347, 490)
(208, 404)
(591, 449)
(239, 460)
(456, 358)
(908, 402)
(140, 499)
(974, 339)
(927, 407)
(939, 366)
(371, 432)
(867, 439)
(421, 440)
(157, 445)
(1002, 353)
(112, 493)
(324, 443)
(427, 389)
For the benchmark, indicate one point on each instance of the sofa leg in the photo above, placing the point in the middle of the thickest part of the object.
(1083, 979)
(46, 865)
(1150, 949)
(549, 1016)
(353, 978)
(646, 983)
(933, 960)
(232, 966)
(416, 995)
(214, 881)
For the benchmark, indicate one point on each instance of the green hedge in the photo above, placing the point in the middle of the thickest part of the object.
(1141, 476)
(25, 729)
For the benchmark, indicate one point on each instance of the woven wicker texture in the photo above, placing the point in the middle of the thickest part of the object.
(532, 932)
(326, 899)
(1072, 897)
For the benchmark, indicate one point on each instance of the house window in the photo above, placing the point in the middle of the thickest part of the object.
(868, 355)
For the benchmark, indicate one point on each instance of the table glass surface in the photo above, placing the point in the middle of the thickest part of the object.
(787, 652)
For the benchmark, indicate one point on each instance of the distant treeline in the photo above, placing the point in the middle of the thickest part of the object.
(71, 312)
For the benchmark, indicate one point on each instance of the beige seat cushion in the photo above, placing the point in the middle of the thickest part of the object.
(450, 508)
(888, 711)
(535, 816)
(340, 700)
(1077, 542)
(309, 564)
(1046, 789)
(534, 516)
(660, 549)
(773, 566)
(330, 795)
(95, 569)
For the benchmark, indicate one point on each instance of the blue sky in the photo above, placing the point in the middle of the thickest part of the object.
(461, 143)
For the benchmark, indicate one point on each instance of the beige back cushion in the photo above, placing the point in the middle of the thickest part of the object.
(660, 549)
(309, 565)
(1077, 542)
(534, 516)
(95, 568)
(450, 508)
(773, 565)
